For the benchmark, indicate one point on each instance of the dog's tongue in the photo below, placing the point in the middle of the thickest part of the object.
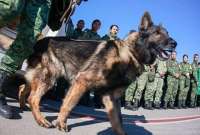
(164, 55)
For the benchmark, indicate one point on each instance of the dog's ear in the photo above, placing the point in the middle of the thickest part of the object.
(146, 21)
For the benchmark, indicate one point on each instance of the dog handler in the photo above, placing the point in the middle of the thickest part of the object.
(33, 18)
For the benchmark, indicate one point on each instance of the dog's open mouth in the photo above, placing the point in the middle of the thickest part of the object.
(164, 53)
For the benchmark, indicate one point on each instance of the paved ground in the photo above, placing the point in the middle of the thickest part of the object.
(89, 121)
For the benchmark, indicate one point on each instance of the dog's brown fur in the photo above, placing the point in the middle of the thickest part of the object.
(105, 66)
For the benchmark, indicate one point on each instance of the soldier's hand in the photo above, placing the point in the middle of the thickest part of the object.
(188, 75)
(177, 75)
(161, 74)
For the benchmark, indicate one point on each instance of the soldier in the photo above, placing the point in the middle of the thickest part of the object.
(184, 81)
(194, 81)
(33, 18)
(91, 34)
(78, 32)
(161, 69)
(112, 35)
(150, 88)
(172, 81)
(198, 90)
(141, 84)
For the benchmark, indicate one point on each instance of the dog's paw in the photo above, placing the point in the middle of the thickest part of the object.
(60, 125)
(44, 123)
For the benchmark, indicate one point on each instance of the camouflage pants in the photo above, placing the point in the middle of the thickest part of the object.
(149, 92)
(141, 84)
(159, 82)
(33, 18)
(193, 95)
(130, 91)
(184, 84)
(172, 88)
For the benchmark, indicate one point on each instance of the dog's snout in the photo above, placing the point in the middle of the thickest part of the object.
(172, 42)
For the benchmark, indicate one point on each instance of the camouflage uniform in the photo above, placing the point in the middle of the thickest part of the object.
(150, 88)
(90, 35)
(129, 93)
(172, 82)
(198, 90)
(184, 83)
(159, 81)
(110, 37)
(77, 33)
(141, 83)
(34, 16)
(194, 81)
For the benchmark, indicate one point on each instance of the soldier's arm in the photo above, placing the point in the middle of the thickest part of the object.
(182, 71)
(170, 70)
(194, 73)
(164, 67)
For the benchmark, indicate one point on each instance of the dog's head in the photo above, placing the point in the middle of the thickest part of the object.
(153, 41)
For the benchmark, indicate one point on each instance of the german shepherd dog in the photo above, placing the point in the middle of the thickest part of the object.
(108, 67)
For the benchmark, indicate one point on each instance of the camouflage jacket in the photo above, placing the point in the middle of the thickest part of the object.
(172, 68)
(194, 72)
(76, 34)
(198, 73)
(184, 69)
(90, 35)
(110, 37)
(160, 67)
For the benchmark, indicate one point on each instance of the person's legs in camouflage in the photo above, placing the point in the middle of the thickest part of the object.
(141, 83)
(169, 93)
(193, 95)
(9, 10)
(158, 92)
(149, 94)
(181, 93)
(184, 88)
(33, 19)
(129, 94)
(174, 93)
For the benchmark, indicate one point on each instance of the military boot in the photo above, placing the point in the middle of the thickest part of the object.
(128, 105)
(192, 105)
(148, 105)
(135, 105)
(157, 105)
(165, 105)
(171, 105)
(5, 110)
(184, 104)
(180, 103)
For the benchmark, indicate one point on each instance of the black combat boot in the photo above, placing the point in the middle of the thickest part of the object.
(157, 105)
(171, 105)
(135, 105)
(128, 105)
(165, 105)
(180, 103)
(192, 105)
(148, 105)
(5, 110)
(184, 104)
